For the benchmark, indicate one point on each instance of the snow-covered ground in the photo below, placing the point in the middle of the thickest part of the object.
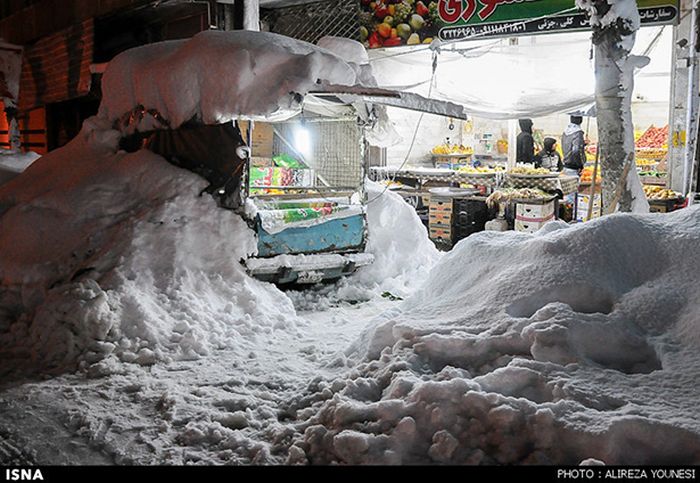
(130, 332)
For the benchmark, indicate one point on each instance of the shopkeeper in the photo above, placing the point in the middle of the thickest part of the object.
(573, 145)
(548, 157)
(525, 143)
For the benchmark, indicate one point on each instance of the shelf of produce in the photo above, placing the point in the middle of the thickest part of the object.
(585, 188)
(436, 174)
(654, 180)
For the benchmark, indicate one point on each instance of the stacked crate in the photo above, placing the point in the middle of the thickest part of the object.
(531, 215)
(440, 221)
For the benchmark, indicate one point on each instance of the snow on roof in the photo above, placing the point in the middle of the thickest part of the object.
(219, 76)
(571, 344)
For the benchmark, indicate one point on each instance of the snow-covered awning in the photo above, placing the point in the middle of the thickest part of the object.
(217, 76)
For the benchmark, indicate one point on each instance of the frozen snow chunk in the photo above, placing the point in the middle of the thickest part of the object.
(236, 420)
(351, 445)
(296, 456)
(146, 357)
(106, 367)
(611, 344)
(181, 327)
(580, 297)
(443, 447)
(517, 382)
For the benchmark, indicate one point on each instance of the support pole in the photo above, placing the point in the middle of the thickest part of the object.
(691, 122)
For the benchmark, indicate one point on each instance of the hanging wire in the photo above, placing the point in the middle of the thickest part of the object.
(415, 131)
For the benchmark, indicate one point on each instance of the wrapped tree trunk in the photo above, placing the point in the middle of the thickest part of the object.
(615, 23)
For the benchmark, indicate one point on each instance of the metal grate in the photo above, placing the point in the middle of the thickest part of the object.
(336, 150)
(311, 21)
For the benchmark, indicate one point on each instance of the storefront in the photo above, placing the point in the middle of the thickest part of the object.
(502, 72)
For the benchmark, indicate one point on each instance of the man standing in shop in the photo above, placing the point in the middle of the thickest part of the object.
(573, 147)
(525, 145)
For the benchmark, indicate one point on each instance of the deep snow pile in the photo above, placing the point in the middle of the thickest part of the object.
(403, 256)
(403, 253)
(109, 253)
(108, 256)
(573, 343)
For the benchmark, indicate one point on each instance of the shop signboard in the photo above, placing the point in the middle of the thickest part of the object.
(389, 23)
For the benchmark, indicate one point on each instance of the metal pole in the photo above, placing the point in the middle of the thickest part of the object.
(692, 100)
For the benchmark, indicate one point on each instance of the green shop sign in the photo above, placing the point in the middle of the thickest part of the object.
(388, 23)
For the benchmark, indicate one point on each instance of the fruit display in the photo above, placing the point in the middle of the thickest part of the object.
(447, 149)
(529, 171)
(645, 162)
(390, 23)
(660, 193)
(587, 175)
(507, 194)
(480, 170)
(653, 137)
(652, 174)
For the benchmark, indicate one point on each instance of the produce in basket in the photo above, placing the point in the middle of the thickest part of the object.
(508, 194)
(654, 138)
(529, 171)
(660, 193)
(480, 170)
(587, 175)
(446, 148)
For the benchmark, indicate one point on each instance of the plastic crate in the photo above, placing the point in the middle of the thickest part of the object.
(664, 206)
(470, 216)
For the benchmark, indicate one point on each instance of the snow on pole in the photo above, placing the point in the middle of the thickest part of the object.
(251, 15)
(615, 23)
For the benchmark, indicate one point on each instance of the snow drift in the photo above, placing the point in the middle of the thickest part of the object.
(403, 253)
(573, 343)
(105, 252)
(108, 255)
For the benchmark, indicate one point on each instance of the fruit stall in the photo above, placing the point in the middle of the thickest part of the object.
(651, 151)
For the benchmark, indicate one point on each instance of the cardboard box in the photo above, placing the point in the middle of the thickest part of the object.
(441, 217)
(440, 204)
(531, 226)
(582, 207)
(441, 232)
(533, 212)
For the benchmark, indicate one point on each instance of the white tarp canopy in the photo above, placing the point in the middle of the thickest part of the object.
(493, 79)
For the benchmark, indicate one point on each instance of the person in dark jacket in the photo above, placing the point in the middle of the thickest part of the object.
(573, 146)
(525, 145)
(548, 157)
